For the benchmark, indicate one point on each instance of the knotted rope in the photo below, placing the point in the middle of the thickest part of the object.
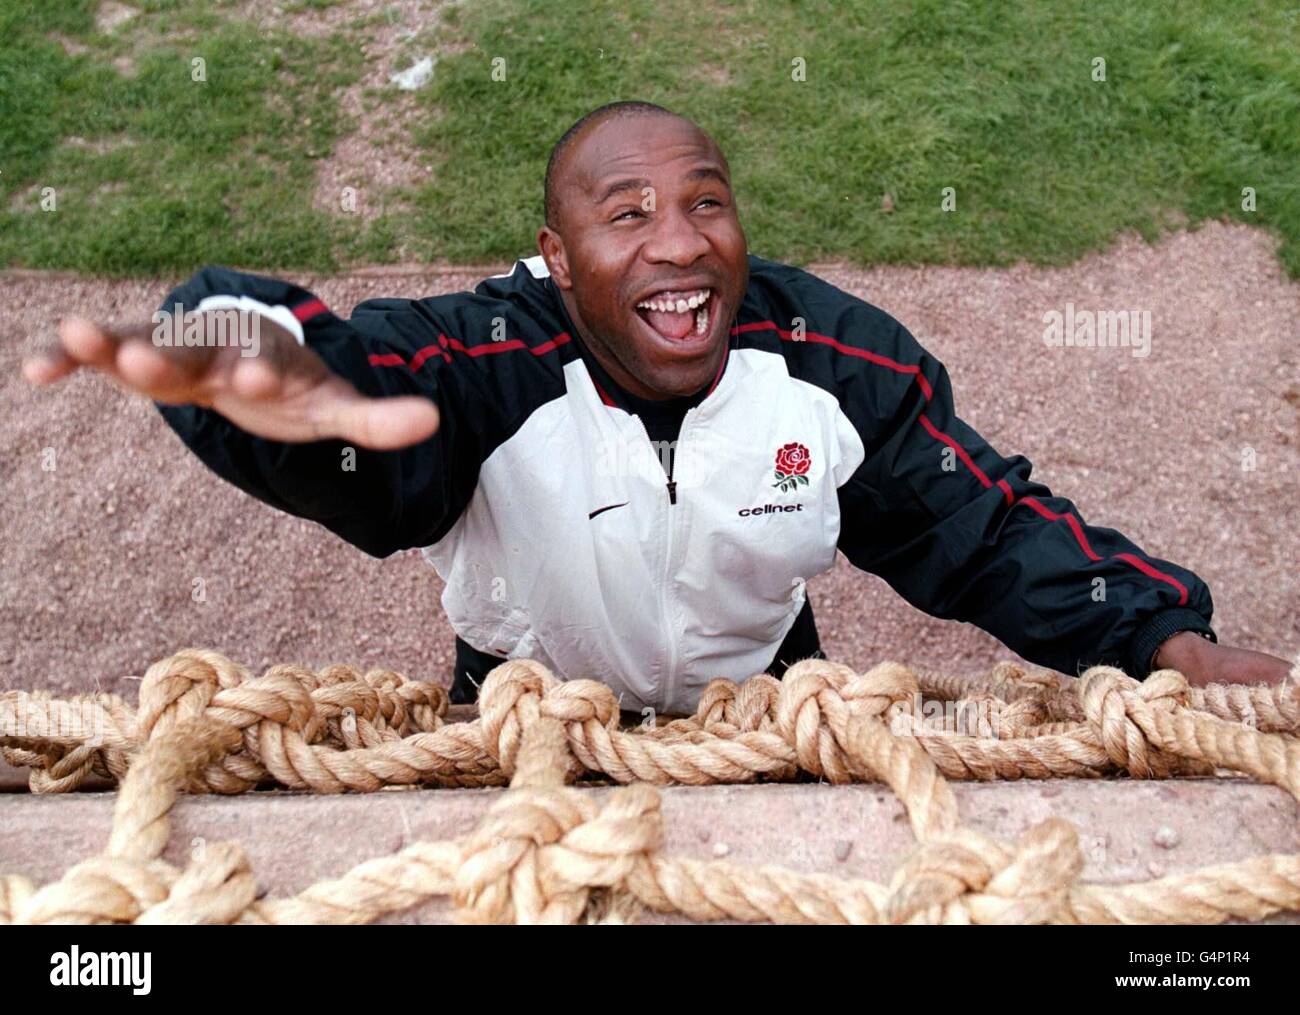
(548, 852)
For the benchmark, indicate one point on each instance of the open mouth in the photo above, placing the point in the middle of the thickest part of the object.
(677, 315)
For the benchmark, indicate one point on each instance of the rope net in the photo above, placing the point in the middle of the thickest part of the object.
(548, 852)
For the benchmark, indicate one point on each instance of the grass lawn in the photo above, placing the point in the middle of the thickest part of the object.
(155, 172)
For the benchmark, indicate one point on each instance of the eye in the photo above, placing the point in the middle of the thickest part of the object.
(709, 200)
(621, 216)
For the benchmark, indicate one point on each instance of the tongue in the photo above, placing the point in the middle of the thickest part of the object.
(671, 324)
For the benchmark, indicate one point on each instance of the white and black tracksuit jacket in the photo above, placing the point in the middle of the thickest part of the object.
(563, 536)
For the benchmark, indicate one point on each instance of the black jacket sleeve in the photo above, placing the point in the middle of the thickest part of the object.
(378, 501)
(962, 532)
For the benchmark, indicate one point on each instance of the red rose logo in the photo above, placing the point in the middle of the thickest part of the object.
(792, 464)
(793, 460)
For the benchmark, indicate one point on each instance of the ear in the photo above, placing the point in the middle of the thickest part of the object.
(553, 253)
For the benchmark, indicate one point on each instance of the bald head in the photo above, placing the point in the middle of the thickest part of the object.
(641, 221)
(557, 163)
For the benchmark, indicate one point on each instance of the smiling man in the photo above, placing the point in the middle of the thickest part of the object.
(627, 456)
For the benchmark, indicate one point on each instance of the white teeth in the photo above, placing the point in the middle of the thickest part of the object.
(680, 305)
(701, 320)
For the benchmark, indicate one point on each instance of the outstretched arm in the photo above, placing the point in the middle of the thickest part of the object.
(963, 533)
(307, 424)
(284, 393)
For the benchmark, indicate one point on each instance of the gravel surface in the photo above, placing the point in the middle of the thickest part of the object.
(99, 555)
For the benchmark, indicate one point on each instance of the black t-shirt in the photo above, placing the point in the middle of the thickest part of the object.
(662, 417)
(663, 423)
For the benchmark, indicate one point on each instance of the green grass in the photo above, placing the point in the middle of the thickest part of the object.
(995, 101)
(185, 172)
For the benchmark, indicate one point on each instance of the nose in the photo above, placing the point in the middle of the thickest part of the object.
(674, 239)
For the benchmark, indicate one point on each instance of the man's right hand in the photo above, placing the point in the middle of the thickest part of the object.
(284, 393)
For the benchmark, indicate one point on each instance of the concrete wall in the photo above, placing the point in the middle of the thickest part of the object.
(1129, 830)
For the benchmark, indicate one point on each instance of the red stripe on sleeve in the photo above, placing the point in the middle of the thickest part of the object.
(1070, 520)
(312, 308)
(1151, 572)
(553, 344)
(420, 357)
(969, 462)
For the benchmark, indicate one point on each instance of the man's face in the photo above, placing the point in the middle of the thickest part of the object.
(648, 252)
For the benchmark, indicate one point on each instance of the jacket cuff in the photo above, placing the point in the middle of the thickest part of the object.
(281, 315)
(1159, 629)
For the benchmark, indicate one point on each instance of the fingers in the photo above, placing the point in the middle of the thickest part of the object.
(87, 343)
(285, 392)
(381, 424)
(255, 378)
(129, 356)
(48, 366)
(81, 343)
(159, 370)
(145, 369)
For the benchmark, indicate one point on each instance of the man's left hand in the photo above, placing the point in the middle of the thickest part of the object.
(1203, 662)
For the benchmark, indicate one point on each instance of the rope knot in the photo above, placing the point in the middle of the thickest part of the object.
(509, 701)
(885, 688)
(426, 704)
(581, 701)
(812, 716)
(181, 686)
(964, 876)
(1014, 680)
(1119, 710)
(498, 880)
(348, 713)
(746, 706)
(216, 888)
(754, 706)
(103, 889)
(717, 702)
(541, 851)
(275, 698)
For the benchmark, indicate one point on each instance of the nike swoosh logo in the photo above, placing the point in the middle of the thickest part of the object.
(607, 507)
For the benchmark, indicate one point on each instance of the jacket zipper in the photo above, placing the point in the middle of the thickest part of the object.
(671, 674)
(672, 462)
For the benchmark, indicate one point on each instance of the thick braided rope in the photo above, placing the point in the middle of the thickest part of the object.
(546, 852)
(362, 732)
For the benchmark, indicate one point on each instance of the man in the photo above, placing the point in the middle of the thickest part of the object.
(512, 433)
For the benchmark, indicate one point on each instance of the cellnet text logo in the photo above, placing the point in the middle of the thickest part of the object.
(1099, 329)
(218, 329)
(102, 969)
